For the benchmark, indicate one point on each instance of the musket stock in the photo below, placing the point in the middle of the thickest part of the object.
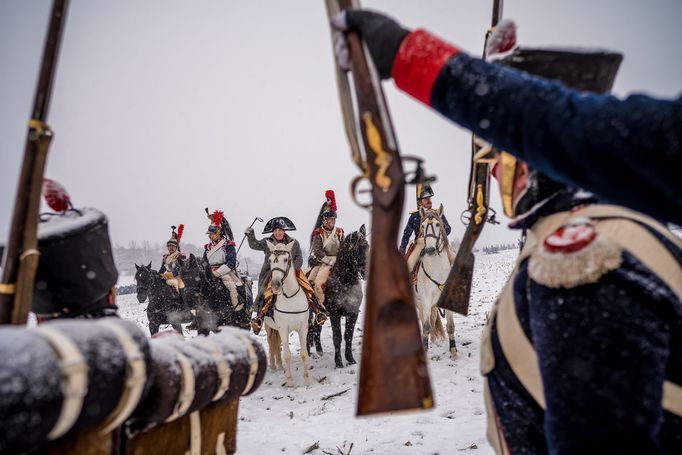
(457, 288)
(393, 372)
(20, 257)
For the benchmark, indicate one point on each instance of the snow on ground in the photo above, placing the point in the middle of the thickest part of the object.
(277, 419)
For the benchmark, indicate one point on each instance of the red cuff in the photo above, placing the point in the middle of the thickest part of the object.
(418, 63)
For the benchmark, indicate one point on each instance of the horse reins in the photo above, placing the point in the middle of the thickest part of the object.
(286, 272)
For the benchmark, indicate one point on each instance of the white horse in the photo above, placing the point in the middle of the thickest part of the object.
(290, 312)
(432, 271)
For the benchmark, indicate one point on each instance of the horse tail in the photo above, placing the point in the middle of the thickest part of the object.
(437, 329)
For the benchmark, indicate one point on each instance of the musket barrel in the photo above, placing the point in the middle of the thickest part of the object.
(17, 279)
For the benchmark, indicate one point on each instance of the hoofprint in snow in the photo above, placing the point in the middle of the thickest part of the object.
(277, 419)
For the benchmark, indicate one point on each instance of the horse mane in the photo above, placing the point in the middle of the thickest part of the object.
(348, 263)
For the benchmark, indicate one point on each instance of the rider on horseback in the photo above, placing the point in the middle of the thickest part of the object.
(278, 226)
(172, 261)
(324, 245)
(424, 195)
(221, 255)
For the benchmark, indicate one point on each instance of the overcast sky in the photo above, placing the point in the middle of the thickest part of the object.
(164, 107)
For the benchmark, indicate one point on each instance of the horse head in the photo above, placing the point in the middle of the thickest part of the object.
(191, 272)
(144, 278)
(280, 265)
(432, 229)
(355, 246)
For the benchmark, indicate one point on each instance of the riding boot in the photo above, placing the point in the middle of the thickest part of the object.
(257, 322)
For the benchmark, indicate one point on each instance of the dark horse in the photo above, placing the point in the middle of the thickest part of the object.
(343, 293)
(165, 306)
(211, 299)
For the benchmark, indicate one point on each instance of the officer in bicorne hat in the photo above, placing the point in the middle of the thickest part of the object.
(324, 245)
(278, 228)
(424, 195)
(220, 254)
(595, 291)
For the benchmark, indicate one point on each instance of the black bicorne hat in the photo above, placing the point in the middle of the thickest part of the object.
(280, 222)
(76, 270)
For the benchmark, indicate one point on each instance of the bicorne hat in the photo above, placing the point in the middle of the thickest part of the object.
(280, 222)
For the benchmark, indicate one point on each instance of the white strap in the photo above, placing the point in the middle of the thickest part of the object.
(224, 370)
(74, 379)
(253, 361)
(194, 434)
(187, 389)
(136, 376)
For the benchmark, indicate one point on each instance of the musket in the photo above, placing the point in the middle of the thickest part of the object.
(393, 372)
(457, 288)
(20, 257)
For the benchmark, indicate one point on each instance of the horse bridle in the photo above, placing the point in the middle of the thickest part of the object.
(427, 234)
(285, 272)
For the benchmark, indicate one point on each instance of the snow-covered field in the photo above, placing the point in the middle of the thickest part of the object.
(277, 419)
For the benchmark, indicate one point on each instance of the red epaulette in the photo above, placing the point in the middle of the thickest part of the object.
(231, 243)
(207, 246)
(317, 231)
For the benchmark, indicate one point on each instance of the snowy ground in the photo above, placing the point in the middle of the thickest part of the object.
(276, 419)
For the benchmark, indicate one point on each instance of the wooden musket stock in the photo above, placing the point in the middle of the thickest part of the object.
(457, 288)
(20, 258)
(393, 372)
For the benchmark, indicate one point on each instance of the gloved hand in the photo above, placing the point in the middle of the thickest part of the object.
(382, 35)
(248, 230)
(216, 273)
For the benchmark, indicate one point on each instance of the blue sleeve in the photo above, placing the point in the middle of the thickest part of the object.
(231, 257)
(407, 233)
(602, 350)
(627, 151)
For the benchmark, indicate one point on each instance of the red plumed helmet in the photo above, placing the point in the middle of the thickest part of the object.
(331, 199)
(217, 217)
(55, 195)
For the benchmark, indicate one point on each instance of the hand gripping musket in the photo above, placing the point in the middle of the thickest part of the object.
(20, 258)
(393, 372)
(457, 288)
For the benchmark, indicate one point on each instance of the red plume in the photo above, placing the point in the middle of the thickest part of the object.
(502, 39)
(181, 229)
(217, 217)
(55, 195)
(331, 198)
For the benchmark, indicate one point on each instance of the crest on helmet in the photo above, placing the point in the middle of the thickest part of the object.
(219, 224)
(423, 190)
(176, 236)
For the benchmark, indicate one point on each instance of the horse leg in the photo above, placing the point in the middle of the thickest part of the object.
(274, 348)
(302, 336)
(348, 336)
(450, 318)
(335, 320)
(284, 335)
(426, 331)
(317, 336)
(154, 323)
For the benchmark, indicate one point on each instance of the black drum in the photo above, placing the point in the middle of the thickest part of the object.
(68, 375)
